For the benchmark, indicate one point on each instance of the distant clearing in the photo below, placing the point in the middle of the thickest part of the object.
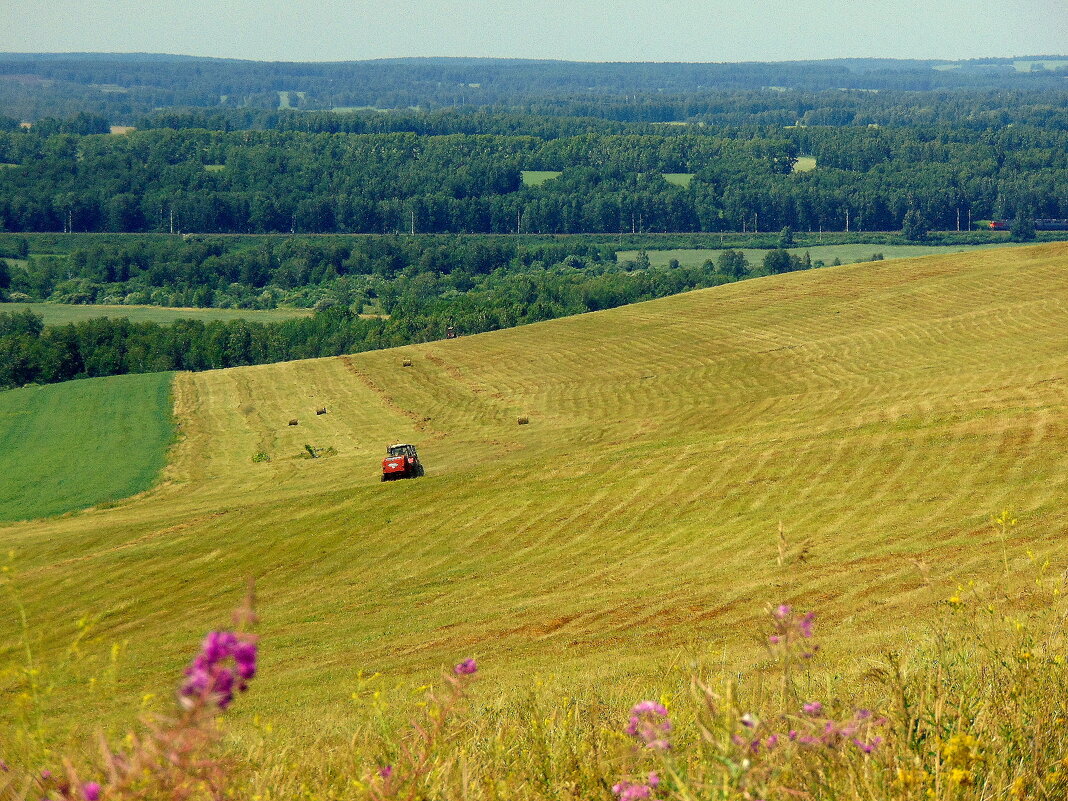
(81, 443)
(805, 164)
(682, 179)
(63, 313)
(1027, 66)
(214, 167)
(847, 254)
(538, 177)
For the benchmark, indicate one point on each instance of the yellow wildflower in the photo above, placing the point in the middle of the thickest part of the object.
(962, 777)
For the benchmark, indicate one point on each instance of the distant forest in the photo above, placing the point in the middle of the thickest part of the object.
(123, 87)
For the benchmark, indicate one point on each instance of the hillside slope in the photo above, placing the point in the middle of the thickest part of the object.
(883, 412)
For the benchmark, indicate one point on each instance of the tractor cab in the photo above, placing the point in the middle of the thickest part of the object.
(402, 461)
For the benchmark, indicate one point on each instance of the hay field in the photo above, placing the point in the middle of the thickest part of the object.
(63, 313)
(71, 445)
(882, 412)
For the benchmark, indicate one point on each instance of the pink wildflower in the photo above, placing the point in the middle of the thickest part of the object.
(465, 668)
(868, 747)
(649, 723)
(91, 791)
(813, 708)
(209, 679)
(782, 611)
(626, 791)
(385, 771)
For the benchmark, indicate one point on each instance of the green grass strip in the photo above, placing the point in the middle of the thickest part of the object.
(80, 443)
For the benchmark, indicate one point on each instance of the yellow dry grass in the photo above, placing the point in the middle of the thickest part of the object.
(883, 412)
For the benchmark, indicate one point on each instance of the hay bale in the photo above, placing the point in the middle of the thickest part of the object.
(294, 422)
(406, 363)
(321, 411)
(524, 421)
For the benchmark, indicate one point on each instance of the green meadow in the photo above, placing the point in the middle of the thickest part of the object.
(538, 177)
(81, 443)
(846, 254)
(63, 313)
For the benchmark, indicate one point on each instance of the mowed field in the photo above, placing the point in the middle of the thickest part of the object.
(63, 313)
(71, 445)
(847, 254)
(882, 413)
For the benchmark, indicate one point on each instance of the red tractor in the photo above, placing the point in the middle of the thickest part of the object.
(401, 462)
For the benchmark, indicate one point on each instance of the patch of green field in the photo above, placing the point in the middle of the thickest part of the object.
(846, 254)
(1027, 66)
(682, 179)
(81, 443)
(214, 167)
(538, 177)
(7, 164)
(805, 164)
(63, 313)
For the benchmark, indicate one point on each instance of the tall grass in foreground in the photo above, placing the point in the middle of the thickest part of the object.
(977, 711)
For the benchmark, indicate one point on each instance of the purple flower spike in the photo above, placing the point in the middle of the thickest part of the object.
(813, 708)
(466, 668)
(91, 791)
(782, 611)
(209, 680)
(385, 771)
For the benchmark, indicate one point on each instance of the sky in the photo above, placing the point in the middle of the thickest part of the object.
(624, 30)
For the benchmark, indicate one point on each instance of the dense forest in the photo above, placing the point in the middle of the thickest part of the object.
(196, 180)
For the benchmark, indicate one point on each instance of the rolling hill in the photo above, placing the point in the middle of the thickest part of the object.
(882, 412)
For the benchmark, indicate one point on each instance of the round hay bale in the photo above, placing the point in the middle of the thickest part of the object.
(294, 422)
(524, 421)
(406, 363)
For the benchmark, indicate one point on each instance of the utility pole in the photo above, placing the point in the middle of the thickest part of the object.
(172, 219)
(969, 218)
(413, 222)
(958, 219)
(847, 219)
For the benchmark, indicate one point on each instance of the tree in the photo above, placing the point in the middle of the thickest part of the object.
(732, 263)
(914, 227)
(786, 237)
(778, 261)
(1023, 227)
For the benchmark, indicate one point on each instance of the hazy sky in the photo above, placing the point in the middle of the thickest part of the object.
(624, 30)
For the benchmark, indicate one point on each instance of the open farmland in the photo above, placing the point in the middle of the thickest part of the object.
(63, 313)
(882, 412)
(847, 254)
(72, 445)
